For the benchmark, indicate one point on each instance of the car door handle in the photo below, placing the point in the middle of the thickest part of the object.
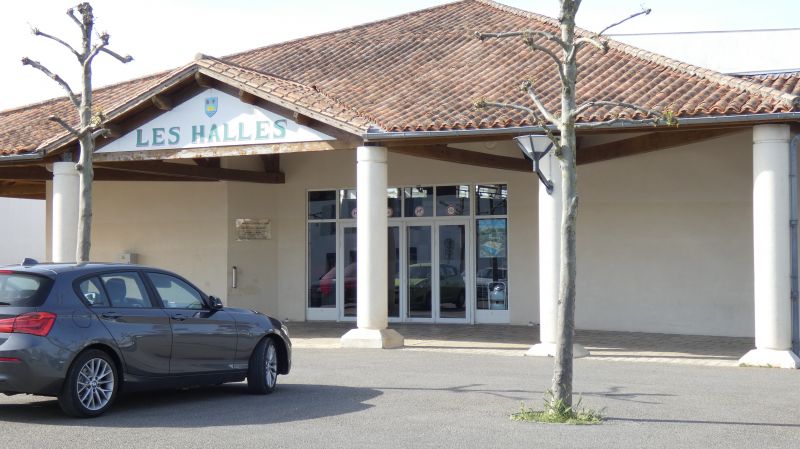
(110, 315)
(179, 317)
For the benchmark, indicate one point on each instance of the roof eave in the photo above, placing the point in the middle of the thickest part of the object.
(635, 125)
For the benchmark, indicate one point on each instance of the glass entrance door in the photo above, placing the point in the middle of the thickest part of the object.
(437, 267)
(349, 269)
(451, 246)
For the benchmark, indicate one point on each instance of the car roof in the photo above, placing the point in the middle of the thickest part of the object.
(50, 269)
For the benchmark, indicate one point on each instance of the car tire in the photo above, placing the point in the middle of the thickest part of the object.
(91, 385)
(262, 374)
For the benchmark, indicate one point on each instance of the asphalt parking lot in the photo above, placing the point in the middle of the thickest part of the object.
(414, 399)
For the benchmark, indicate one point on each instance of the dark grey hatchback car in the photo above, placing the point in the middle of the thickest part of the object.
(85, 333)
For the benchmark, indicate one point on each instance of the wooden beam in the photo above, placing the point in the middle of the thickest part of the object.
(272, 163)
(215, 152)
(467, 157)
(301, 119)
(204, 81)
(194, 172)
(23, 190)
(162, 102)
(645, 144)
(208, 161)
(247, 97)
(25, 173)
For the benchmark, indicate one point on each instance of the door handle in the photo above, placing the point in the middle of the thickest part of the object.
(179, 317)
(110, 315)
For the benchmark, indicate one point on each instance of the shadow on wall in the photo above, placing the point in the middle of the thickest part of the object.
(226, 405)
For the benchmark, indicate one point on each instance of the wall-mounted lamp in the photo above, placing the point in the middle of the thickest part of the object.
(535, 147)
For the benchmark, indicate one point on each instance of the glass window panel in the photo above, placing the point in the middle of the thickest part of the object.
(321, 265)
(393, 202)
(419, 271)
(491, 276)
(126, 290)
(394, 271)
(452, 201)
(348, 203)
(419, 201)
(174, 293)
(350, 270)
(452, 267)
(491, 199)
(322, 205)
(93, 293)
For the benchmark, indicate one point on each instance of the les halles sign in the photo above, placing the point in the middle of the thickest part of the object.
(213, 118)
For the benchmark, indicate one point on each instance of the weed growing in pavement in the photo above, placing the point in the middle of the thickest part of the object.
(557, 412)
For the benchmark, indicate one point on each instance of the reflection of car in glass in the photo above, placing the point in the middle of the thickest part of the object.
(83, 333)
(451, 285)
(491, 287)
(322, 293)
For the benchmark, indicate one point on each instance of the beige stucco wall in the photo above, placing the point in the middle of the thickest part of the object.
(665, 241)
(179, 226)
(27, 220)
(664, 238)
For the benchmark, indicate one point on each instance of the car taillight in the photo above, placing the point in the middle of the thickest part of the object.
(35, 323)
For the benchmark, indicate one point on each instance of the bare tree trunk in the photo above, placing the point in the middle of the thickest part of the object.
(86, 141)
(562, 371)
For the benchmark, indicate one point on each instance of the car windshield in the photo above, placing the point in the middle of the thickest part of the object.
(23, 290)
(419, 272)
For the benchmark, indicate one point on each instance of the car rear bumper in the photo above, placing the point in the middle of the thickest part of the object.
(31, 364)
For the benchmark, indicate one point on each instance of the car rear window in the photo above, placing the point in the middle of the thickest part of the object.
(22, 289)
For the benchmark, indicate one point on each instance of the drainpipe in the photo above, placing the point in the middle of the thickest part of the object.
(793, 239)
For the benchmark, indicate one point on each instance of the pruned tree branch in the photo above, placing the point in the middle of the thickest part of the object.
(123, 59)
(666, 117)
(71, 14)
(102, 132)
(97, 48)
(56, 78)
(533, 33)
(527, 86)
(38, 32)
(537, 120)
(64, 125)
(644, 11)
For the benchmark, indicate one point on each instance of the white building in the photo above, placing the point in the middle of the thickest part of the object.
(26, 219)
(260, 174)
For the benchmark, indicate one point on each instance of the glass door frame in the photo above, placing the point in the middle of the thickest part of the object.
(468, 275)
(340, 267)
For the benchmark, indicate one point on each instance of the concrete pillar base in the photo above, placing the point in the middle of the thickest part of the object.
(771, 358)
(549, 350)
(372, 339)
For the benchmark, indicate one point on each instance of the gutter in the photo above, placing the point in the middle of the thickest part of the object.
(628, 125)
(793, 240)
(38, 155)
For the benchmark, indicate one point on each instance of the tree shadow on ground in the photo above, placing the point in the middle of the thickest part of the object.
(224, 405)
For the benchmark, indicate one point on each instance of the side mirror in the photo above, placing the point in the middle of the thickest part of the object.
(215, 303)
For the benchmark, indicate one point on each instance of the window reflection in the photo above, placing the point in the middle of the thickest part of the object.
(491, 199)
(491, 277)
(452, 201)
(321, 265)
(419, 201)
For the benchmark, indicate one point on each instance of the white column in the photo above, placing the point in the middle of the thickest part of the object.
(65, 211)
(550, 261)
(771, 252)
(373, 257)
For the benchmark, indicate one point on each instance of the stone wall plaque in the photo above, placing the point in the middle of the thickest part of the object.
(253, 229)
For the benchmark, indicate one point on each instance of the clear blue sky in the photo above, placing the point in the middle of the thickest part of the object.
(162, 34)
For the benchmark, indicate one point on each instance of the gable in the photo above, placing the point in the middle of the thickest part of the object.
(213, 118)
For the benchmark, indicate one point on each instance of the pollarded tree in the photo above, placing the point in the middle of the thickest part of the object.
(560, 128)
(90, 126)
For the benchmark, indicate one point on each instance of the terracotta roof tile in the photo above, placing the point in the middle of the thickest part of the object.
(421, 72)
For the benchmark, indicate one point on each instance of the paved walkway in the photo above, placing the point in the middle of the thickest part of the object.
(515, 341)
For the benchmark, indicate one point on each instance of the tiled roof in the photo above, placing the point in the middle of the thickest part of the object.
(788, 82)
(422, 71)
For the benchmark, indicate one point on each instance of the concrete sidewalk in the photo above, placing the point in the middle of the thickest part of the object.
(515, 341)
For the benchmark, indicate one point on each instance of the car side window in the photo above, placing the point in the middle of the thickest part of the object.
(175, 293)
(93, 293)
(126, 290)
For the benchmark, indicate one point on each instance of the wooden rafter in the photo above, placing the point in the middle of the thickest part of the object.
(645, 144)
(467, 157)
(193, 172)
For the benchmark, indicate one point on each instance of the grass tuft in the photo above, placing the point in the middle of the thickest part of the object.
(557, 412)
